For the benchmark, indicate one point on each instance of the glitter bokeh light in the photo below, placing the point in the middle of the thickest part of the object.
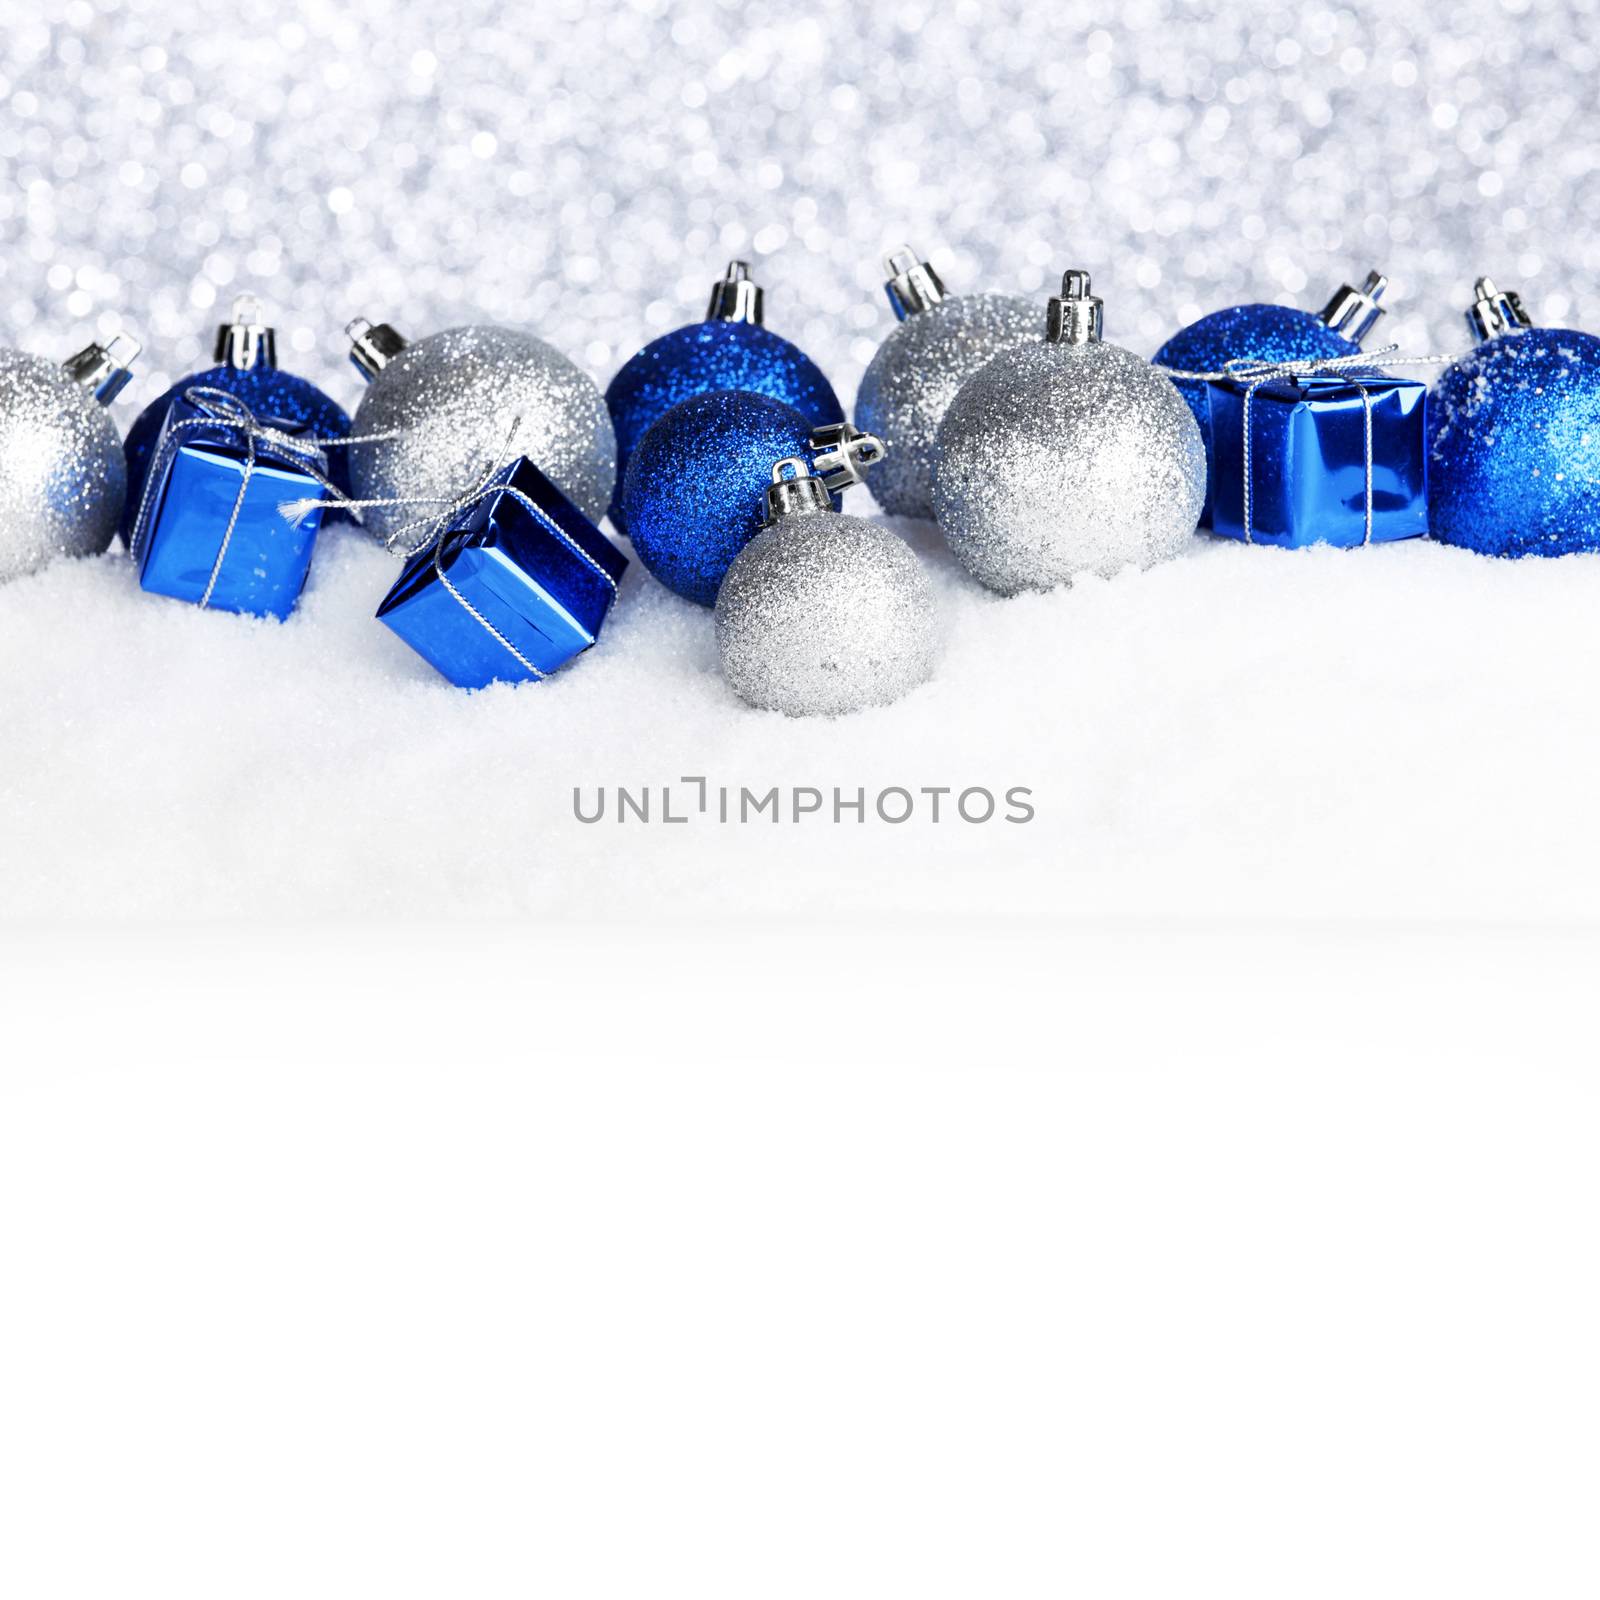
(586, 170)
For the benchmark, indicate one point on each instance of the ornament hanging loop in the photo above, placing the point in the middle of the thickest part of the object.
(736, 298)
(1076, 316)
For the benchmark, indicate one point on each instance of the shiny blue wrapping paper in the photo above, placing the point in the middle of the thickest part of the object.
(513, 566)
(1308, 469)
(186, 517)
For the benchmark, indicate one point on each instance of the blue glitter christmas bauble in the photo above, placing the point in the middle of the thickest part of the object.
(701, 359)
(271, 394)
(695, 491)
(1252, 333)
(1514, 446)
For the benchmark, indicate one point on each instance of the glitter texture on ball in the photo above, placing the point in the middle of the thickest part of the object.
(731, 349)
(63, 482)
(693, 495)
(1071, 457)
(822, 614)
(1514, 438)
(941, 341)
(457, 395)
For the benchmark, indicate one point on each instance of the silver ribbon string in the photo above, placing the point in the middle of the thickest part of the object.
(219, 408)
(1253, 374)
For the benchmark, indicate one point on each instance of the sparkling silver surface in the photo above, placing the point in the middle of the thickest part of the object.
(62, 476)
(573, 166)
(470, 399)
(910, 382)
(822, 614)
(1065, 459)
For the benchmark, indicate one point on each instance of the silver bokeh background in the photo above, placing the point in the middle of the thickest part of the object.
(586, 169)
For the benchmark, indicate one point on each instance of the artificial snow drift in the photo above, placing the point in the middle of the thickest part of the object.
(1399, 731)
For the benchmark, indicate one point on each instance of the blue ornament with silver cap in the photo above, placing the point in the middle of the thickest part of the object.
(731, 349)
(1269, 333)
(1514, 436)
(246, 365)
(697, 482)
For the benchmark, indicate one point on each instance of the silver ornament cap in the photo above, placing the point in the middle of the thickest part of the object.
(822, 614)
(1495, 311)
(735, 298)
(104, 370)
(794, 490)
(1353, 312)
(1066, 457)
(841, 454)
(939, 342)
(373, 345)
(913, 285)
(1075, 316)
(245, 341)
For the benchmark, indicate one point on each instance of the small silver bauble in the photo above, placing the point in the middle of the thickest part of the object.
(62, 476)
(908, 386)
(1072, 456)
(822, 614)
(456, 396)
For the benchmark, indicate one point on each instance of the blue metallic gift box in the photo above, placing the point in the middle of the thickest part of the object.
(1308, 466)
(528, 580)
(184, 517)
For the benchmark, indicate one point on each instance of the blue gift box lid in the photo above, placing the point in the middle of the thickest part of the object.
(1319, 388)
(524, 546)
(210, 422)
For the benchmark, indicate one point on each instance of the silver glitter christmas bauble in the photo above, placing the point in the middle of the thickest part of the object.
(821, 614)
(908, 386)
(457, 394)
(1075, 456)
(62, 477)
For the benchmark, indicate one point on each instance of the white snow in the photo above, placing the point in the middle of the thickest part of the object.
(1405, 731)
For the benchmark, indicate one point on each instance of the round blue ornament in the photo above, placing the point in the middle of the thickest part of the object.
(1514, 437)
(1268, 333)
(695, 491)
(247, 366)
(729, 350)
